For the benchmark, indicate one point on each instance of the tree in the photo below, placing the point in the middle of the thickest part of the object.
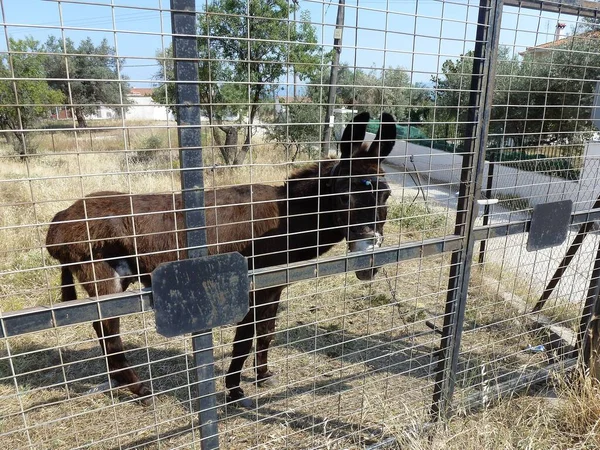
(88, 75)
(245, 48)
(541, 97)
(388, 89)
(451, 97)
(297, 128)
(550, 96)
(27, 99)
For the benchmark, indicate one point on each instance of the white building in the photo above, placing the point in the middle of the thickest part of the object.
(142, 106)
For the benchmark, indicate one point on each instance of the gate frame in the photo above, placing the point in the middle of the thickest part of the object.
(461, 243)
(480, 101)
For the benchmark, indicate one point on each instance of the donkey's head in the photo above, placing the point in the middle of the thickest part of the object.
(358, 186)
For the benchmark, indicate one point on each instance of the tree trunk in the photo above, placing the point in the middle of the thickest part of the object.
(23, 144)
(20, 145)
(230, 147)
(81, 121)
(241, 156)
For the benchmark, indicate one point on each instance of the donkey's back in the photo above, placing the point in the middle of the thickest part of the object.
(109, 224)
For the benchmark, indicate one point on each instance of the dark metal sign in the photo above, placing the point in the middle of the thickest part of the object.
(549, 225)
(199, 294)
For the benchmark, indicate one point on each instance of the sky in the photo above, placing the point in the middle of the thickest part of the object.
(417, 35)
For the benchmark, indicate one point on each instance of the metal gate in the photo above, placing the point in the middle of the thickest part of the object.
(487, 273)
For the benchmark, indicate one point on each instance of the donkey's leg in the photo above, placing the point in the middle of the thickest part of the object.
(110, 341)
(265, 330)
(110, 281)
(242, 344)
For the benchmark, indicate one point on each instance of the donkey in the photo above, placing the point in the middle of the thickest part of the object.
(108, 240)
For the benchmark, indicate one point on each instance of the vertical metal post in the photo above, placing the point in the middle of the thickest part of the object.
(482, 86)
(586, 314)
(333, 78)
(486, 208)
(185, 54)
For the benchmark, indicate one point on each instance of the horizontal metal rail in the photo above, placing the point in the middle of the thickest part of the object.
(582, 8)
(90, 309)
(41, 318)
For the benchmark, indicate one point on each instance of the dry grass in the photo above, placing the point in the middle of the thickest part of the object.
(70, 165)
(568, 420)
(355, 361)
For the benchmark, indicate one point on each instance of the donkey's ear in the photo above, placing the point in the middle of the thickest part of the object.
(384, 140)
(354, 134)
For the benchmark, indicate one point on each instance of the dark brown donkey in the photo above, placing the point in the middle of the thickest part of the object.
(108, 240)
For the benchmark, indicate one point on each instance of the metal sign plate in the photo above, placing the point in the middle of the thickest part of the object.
(199, 294)
(549, 224)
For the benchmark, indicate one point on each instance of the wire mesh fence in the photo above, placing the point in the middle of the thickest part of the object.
(232, 132)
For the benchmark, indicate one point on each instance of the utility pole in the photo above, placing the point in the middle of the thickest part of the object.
(295, 28)
(335, 65)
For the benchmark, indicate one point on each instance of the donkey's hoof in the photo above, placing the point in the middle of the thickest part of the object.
(245, 403)
(144, 394)
(236, 397)
(264, 375)
(146, 400)
(267, 378)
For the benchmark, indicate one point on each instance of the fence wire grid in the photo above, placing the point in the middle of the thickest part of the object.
(493, 107)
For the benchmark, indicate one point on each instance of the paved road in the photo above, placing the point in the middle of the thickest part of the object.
(509, 253)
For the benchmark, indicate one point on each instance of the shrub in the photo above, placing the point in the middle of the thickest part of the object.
(148, 150)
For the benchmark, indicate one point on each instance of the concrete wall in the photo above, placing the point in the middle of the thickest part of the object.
(439, 167)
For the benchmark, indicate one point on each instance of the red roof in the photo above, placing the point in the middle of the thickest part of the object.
(589, 35)
(141, 92)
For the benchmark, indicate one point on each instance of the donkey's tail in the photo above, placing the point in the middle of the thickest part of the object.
(67, 284)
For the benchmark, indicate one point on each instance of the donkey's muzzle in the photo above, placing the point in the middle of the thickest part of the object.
(366, 244)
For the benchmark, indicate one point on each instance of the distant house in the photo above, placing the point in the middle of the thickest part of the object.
(142, 107)
(563, 42)
(66, 113)
(102, 112)
(61, 113)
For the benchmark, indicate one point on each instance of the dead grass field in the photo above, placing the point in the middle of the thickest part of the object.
(355, 361)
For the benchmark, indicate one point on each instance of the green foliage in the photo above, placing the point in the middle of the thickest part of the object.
(152, 142)
(389, 90)
(27, 99)
(536, 162)
(452, 97)
(88, 75)
(245, 48)
(543, 96)
(297, 129)
(165, 93)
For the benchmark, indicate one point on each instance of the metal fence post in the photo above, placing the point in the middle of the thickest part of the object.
(185, 54)
(589, 311)
(486, 208)
(482, 86)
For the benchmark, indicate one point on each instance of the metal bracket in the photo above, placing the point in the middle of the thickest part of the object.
(549, 225)
(200, 294)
